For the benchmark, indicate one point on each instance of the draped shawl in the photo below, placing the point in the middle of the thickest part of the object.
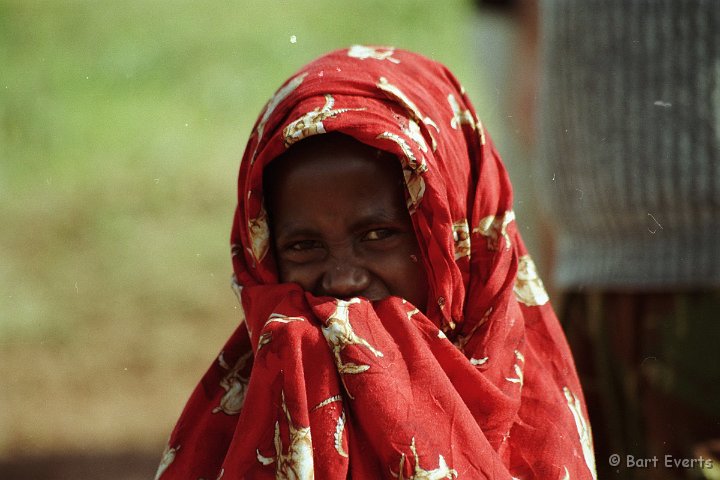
(480, 385)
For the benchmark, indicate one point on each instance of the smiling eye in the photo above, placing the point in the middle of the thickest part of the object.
(303, 245)
(378, 234)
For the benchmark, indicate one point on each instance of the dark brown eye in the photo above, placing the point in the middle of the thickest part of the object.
(378, 234)
(303, 251)
(303, 245)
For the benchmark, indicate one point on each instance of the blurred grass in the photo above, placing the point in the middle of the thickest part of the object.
(121, 128)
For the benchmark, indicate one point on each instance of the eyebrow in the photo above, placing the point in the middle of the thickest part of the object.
(296, 229)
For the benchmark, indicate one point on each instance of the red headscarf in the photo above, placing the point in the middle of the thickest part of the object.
(482, 385)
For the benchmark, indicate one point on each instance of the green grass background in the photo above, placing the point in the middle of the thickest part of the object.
(121, 128)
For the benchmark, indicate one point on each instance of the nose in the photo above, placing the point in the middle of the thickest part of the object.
(343, 279)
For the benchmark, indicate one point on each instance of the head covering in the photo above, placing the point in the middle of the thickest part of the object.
(481, 385)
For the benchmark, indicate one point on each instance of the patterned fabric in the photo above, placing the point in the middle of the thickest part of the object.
(482, 385)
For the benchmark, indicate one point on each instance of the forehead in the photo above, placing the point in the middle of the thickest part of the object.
(322, 163)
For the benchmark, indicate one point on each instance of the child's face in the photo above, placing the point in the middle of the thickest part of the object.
(340, 225)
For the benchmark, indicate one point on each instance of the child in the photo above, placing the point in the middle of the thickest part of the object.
(394, 325)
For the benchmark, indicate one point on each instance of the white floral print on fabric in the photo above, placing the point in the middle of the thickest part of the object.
(583, 428)
(494, 227)
(266, 337)
(263, 340)
(297, 463)
(459, 116)
(398, 95)
(517, 368)
(412, 171)
(461, 238)
(462, 340)
(412, 130)
(168, 457)
(339, 333)
(476, 362)
(378, 53)
(339, 433)
(237, 289)
(272, 104)
(481, 131)
(259, 234)
(529, 288)
(312, 122)
(234, 383)
(419, 473)
(327, 401)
